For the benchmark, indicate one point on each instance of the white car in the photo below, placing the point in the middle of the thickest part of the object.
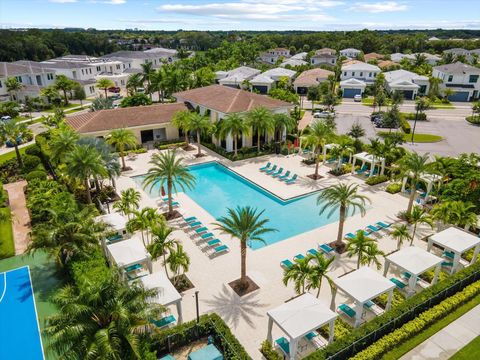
(323, 114)
(357, 98)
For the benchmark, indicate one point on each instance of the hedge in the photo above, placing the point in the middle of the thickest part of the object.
(377, 179)
(400, 314)
(404, 124)
(394, 188)
(413, 327)
(30, 162)
(411, 116)
(36, 174)
(169, 145)
(475, 120)
(243, 153)
(92, 270)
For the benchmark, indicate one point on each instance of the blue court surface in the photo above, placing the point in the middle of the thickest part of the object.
(19, 328)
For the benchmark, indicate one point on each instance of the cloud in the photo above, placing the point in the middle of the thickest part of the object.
(62, 1)
(379, 7)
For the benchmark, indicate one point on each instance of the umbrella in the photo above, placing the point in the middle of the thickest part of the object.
(163, 191)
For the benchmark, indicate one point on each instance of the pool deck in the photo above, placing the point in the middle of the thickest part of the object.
(246, 316)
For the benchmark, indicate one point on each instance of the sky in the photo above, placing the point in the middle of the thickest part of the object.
(241, 14)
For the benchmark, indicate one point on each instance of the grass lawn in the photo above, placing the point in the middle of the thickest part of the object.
(75, 110)
(45, 281)
(69, 106)
(418, 138)
(441, 105)
(408, 345)
(11, 154)
(7, 247)
(471, 351)
(369, 102)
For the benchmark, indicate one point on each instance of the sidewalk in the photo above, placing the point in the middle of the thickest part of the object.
(21, 218)
(450, 339)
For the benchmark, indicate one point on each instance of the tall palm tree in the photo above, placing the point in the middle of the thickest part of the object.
(157, 79)
(147, 71)
(400, 233)
(319, 133)
(62, 141)
(14, 132)
(413, 166)
(320, 267)
(181, 120)
(462, 214)
(262, 122)
(13, 87)
(201, 125)
(64, 84)
(121, 139)
(144, 220)
(134, 81)
(104, 84)
(371, 255)
(359, 246)
(167, 169)
(179, 262)
(283, 122)
(419, 216)
(434, 86)
(421, 105)
(162, 243)
(105, 320)
(300, 273)
(343, 149)
(342, 197)
(245, 224)
(129, 202)
(234, 125)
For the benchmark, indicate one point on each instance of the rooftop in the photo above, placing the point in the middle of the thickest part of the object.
(457, 68)
(455, 239)
(402, 75)
(312, 77)
(360, 66)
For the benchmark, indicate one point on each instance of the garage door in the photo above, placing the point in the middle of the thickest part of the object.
(459, 96)
(302, 90)
(350, 93)
(408, 94)
(261, 89)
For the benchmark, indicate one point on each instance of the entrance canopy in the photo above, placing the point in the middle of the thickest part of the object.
(365, 158)
(129, 252)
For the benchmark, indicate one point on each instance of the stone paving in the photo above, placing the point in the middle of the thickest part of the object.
(20, 215)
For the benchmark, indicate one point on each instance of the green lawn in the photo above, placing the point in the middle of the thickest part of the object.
(64, 108)
(11, 154)
(75, 110)
(471, 351)
(369, 101)
(7, 247)
(441, 105)
(402, 349)
(418, 138)
(45, 280)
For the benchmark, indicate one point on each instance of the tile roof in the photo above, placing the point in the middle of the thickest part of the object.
(105, 120)
(326, 51)
(402, 75)
(373, 56)
(280, 72)
(457, 68)
(386, 63)
(360, 66)
(19, 68)
(310, 77)
(229, 100)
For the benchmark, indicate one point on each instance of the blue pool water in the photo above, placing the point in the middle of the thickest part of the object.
(19, 330)
(217, 188)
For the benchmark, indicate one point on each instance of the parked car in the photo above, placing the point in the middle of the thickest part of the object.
(323, 114)
(114, 89)
(5, 118)
(357, 98)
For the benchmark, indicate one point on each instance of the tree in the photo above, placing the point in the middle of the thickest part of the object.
(397, 98)
(51, 93)
(79, 94)
(121, 139)
(342, 197)
(421, 105)
(283, 123)
(139, 99)
(457, 213)
(106, 320)
(400, 233)
(64, 84)
(104, 84)
(356, 131)
(162, 243)
(147, 71)
(201, 125)
(300, 273)
(262, 122)
(134, 81)
(181, 120)
(129, 202)
(144, 220)
(203, 77)
(329, 100)
(55, 120)
(102, 104)
(234, 125)
(363, 247)
(245, 224)
(13, 87)
(179, 262)
(319, 132)
(63, 140)
(14, 133)
(380, 99)
(416, 217)
(447, 94)
(434, 87)
(313, 94)
(167, 169)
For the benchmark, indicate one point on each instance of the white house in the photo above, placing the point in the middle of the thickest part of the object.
(273, 55)
(236, 77)
(350, 53)
(351, 87)
(309, 78)
(157, 57)
(262, 83)
(293, 62)
(360, 71)
(407, 82)
(300, 56)
(429, 58)
(461, 78)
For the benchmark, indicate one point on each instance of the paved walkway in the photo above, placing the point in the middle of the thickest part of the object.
(21, 217)
(450, 339)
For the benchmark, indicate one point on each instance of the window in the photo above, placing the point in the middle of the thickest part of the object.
(473, 78)
(450, 78)
(83, 72)
(370, 74)
(49, 76)
(353, 73)
(374, 75)
(118, 67)
(122, 82)
(333, 61)
(90, 70)
(344, 73)
(361, 73)
(19, 78)
(1, 85)
(123, 66)
(99, 68)
(92, 89)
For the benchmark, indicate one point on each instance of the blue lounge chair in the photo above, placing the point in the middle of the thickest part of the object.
(291, 180)
(277, 173)
(448, 254)
(373, 228)
(299, 257)
(350, 236)
(283, 345)
(190, 219)
(164, 321)
(220, 249)
(312, 252)
(331, 160)
(272, 170)
(311, 335)
(201, 230)
(347, 310)
(398, 283)
(285, 176)
(213, 242)
(286, 263)
(206, 236)
(362, 170)
(406, 275)
(195, 224)
(114, 238)
(447, 263)
(369, 304)
(326, 249)
(383, 225)
(133, 267)
(266, 167)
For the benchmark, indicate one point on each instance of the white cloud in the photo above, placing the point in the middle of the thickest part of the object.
(62, 1)
(379, 7)
(115, 2)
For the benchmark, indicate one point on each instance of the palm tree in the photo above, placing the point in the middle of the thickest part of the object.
(104, 84)
(356, 131)
(421, 105)
(261, 121)
(235, 126)
(434, 86)
(320, 132)
(344, 198)
(14, 132)
(344, 148)
(168, 169)
(62, 141)
(157, 79)
(447, 93)
(459, 213)
(397, 98)
(106, 320)
(419, 216)
(64, 84)
(359, 246)
(283, 122)
(13, 87)
(134, 81)
(245, 224)
(371, 254)
(83, 162)
(144, 220)
(300, 273)
(147, 71)
(129, 202)
(179, 262)
(320, 267)
(162, 242)
(121, 139)
(413, 166)
(201, 125)
(400, 233)
(181, 120)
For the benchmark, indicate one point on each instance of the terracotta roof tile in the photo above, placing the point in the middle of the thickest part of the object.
(309, 77)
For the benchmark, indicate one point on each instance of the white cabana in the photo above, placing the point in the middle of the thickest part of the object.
(456, 241)
(415, 261)
(300, 317)
(428, 179)
(328, 147)
(117, 224)
(129, 252)
(166, 293)
(365, 158)
(363, 285)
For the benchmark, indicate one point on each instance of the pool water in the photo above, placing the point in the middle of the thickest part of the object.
(218, 188)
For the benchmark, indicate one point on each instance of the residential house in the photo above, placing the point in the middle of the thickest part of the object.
(373, 56)
(463, 79)
(309, 78)
(350, 53)
(273, 55)
(397, 57)
(429, 58)
(351, 87)
(456, 52)
(387, 65)
(324, 56)
(407, 82)
(263, 83)
(300, 56)
(148, 123)
(219, 101)
(293, 62)
(157, 57)
(237, 77)
(356, 76)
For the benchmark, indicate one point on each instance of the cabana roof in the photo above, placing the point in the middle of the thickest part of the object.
(301, 315)
(167, 294)
(115, 220)
(364, 156)
(364, 284)
(431, 178)
(331, 146)
(128, 252)
(414, 260)
(455, 240)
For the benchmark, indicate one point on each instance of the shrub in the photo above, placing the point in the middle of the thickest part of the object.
(269, 351)
(243, 153)
(475, 120)
(141, 150)
(89, 271)
(310, 161)
(341, 329)
(411, 116)
(394, 188)
(33, 149)
(404, 124)
(397, 299)
(428, 275)
(36, 174)
(377, 179)
(164, 145)
(30, 162)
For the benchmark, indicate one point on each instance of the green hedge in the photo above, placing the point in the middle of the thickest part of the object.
(243, 153)
(475, 120)
(411, 116)
(92, 270)
(394, 188)
(404, 124)
(269, 352)
(417, 325)
(36, 174)
(377, 179)
(165, 145)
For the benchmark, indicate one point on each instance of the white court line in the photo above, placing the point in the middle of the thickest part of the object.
(4, 287)
(36, 313)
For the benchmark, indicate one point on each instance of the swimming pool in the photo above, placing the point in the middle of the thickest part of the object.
(218, 188)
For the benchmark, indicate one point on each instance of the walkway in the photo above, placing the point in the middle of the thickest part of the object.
(21, 217)
(450, 339)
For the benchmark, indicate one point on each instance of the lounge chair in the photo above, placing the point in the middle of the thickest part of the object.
(272, 170)
(347, 310)
(201, 230)
(448, 254)
(299, 257)
(220, 249)
(373, 228)
(447, 263)
(164, 321)
(350, 236)
(286, 263)
(213, 242)
(312, 252)
(206, 236)
(266, 167)
(285, 176)
(383, 225)
(369, 304)
(195, 224)
(362, 170)
(331, 160)
(327, 250)
(190, 219)
(406, 275)
(399, 284)
(291, 180)
(114, 238)
(277, 173)
(133, 267)
(283, 345)
(311, 335)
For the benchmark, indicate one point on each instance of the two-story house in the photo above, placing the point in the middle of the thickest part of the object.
(350, 53)
(406, 82)
(463, 79)
(263, 83)
(324, 56)
(273, 55)
(309, 78)
(456, 52)
(236, 78)
(356, 76)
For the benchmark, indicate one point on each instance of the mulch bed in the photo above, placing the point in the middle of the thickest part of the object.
(200, 155)
(338, 248)
(315, 177)
(174, 215)
(188, 148)
(240, 289)
(183, 283)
